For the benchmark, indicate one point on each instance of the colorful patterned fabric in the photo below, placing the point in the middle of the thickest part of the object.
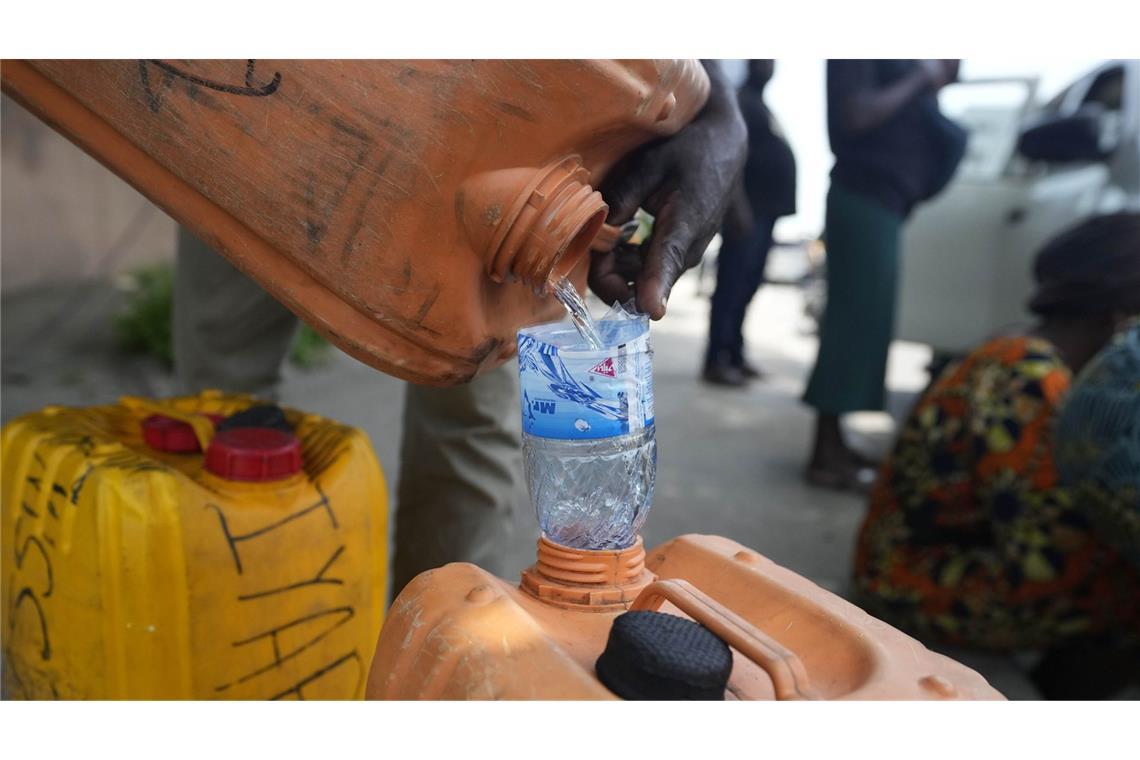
(969, 537)
(1098, 443)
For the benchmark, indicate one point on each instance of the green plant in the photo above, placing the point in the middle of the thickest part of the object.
(310, 349)
(143, 326)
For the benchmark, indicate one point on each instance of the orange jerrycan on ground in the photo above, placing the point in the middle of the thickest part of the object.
(408, 210)
(135, 566)
(581, 625)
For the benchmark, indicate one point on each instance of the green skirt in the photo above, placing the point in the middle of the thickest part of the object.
(862, 239)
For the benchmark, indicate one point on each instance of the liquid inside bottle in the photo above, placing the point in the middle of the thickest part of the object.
(589, 444)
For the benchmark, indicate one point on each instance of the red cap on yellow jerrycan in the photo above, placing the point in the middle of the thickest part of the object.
(408, 210)
(458, 632)
(169, 435)
(254, 454)
(164, 433)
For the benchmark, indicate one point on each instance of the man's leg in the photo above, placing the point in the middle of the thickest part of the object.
(730, 267)
(228, 332)
(759, 244)
(460, 472)
(724, 331)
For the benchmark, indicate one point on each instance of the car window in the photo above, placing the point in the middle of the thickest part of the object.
(1107, 90)
(991, 111)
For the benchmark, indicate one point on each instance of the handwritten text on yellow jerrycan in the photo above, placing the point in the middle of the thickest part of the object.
(407, 210)
(132, 573)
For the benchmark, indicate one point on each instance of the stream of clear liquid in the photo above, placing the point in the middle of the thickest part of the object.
(575, 305)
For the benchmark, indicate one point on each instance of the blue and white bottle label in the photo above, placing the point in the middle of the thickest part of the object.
(572, 394)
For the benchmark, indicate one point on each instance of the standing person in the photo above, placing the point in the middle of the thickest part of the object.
(767, 191)
(461, 449)
(893, 149)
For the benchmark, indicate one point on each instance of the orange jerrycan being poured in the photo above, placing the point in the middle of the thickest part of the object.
(408, 210)
(197, 548)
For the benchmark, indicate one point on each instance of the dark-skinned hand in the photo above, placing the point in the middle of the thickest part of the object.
(685, 181)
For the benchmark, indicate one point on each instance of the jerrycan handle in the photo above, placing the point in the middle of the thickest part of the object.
(782, 665)
(202, 426)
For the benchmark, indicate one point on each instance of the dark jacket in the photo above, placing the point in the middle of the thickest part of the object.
(770, 173)
(908, 158)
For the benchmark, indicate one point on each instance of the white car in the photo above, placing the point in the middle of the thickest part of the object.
(1030, 171)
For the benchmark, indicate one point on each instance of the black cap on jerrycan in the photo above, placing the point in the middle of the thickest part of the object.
(655, 655)
(259, 416)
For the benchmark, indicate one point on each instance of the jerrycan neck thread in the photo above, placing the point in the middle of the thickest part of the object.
(587, 580)
(532, 225)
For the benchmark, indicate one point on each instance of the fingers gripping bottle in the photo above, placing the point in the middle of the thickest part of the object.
(589, 447)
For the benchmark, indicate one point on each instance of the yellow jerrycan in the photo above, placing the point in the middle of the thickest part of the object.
(204, 547)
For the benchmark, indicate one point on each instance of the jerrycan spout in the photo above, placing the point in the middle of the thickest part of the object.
(587, 580)
(531, 225)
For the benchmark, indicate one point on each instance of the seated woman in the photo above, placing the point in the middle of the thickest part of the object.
(970, 538)
(1098, 443)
